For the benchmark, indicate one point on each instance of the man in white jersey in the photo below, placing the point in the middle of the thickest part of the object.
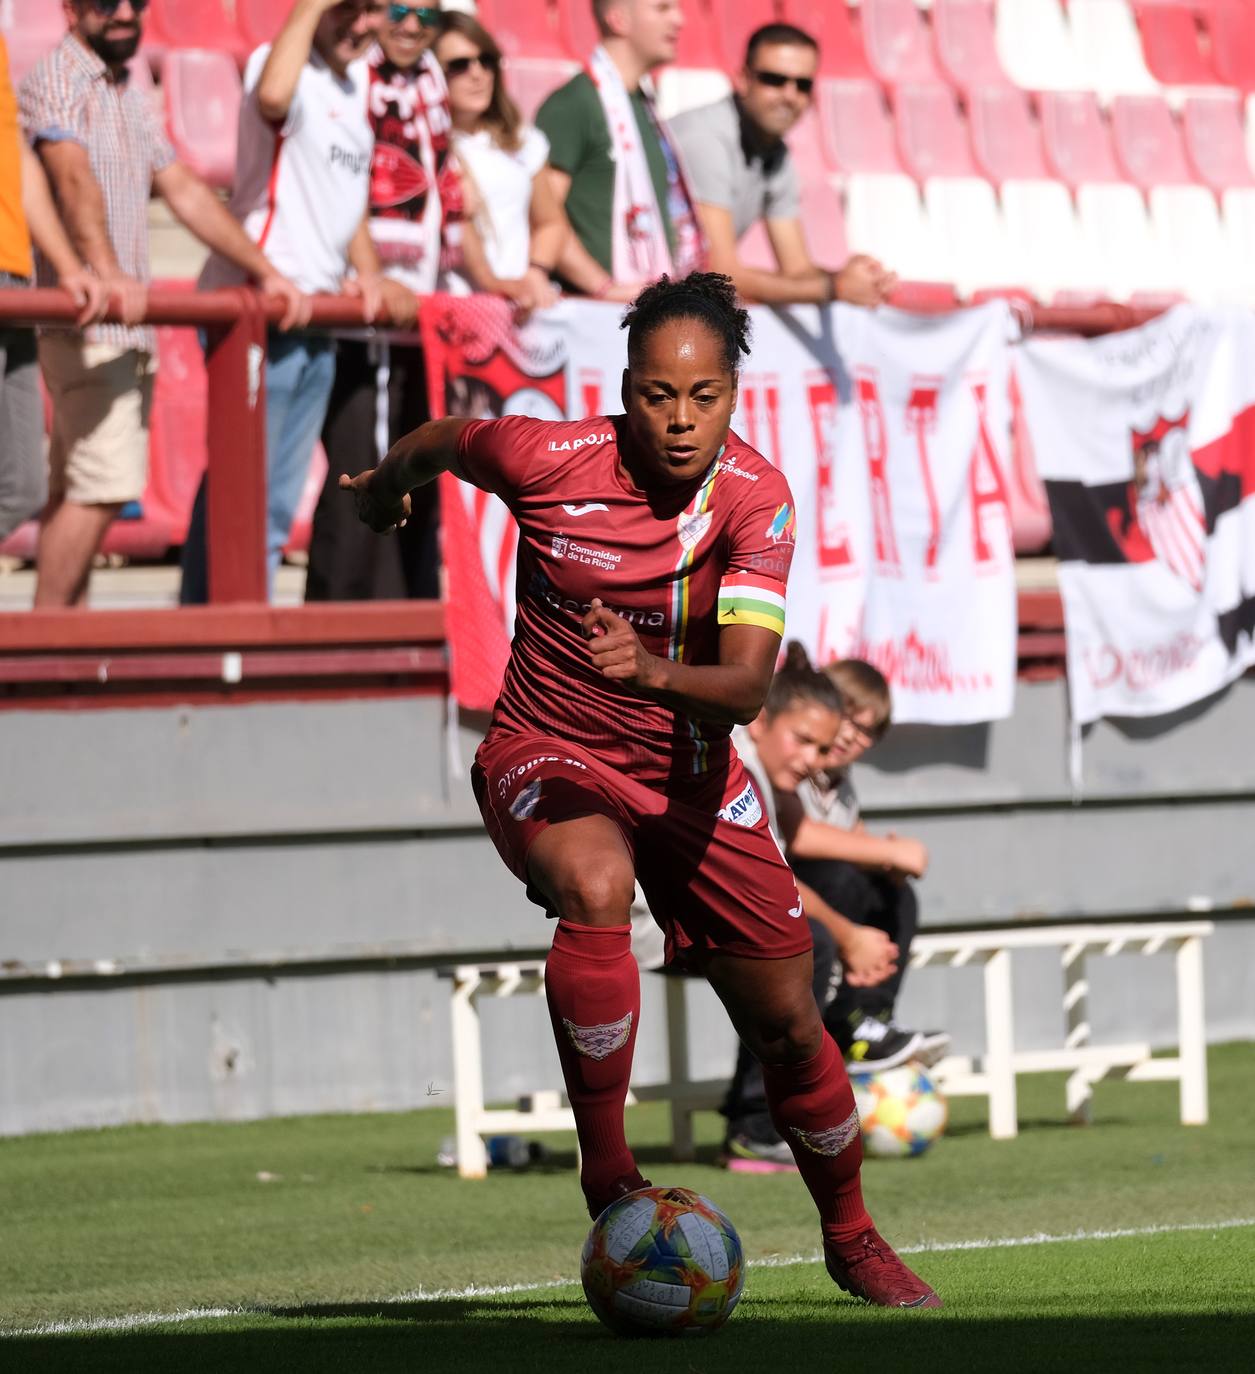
(302, 180)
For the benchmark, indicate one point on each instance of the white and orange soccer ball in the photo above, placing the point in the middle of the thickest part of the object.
(901, 1110)
(663, 1261)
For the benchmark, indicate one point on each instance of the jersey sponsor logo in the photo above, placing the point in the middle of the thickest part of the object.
(834, 1139)
(599, 1042)
(521, 770)
(356, 163)
(692, 527)
(562, 546)
(593, 440)
(793, 911)
(586, 509)
(744, 809)
(525, 803)
(782, 525)
(729, 466)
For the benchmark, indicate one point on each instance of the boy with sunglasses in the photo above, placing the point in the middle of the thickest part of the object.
(742, 172)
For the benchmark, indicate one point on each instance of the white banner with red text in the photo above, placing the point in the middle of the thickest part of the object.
(893, 432)
(1146, 443)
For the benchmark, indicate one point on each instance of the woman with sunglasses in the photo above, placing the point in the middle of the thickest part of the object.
(518, 225)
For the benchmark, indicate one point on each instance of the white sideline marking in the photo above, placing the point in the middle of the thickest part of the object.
(138, 1320)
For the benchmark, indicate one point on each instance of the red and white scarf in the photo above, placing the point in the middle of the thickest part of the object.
(640, 249)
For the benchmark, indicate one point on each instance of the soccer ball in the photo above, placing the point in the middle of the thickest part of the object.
(901, 1110)
(662, 1261)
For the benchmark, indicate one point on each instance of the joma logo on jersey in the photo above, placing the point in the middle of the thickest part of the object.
(570, 445)
(744, 809)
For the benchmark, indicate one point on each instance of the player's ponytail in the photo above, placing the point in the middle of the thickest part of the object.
(798, 683)
(706, 296)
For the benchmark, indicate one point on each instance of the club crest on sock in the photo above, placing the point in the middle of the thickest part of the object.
(598, 1042)
(833, 1139)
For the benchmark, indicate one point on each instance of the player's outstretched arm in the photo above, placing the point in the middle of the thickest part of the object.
(730, 692)
(382, 494)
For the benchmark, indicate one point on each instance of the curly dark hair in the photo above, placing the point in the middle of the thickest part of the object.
(706, 296)
(798, 683)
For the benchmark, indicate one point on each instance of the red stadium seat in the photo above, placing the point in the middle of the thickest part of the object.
(180, 408)
(963, 32)
(260, 20)
(1148, 143)
(738, 19)
(531, 80)
(823, 222)
(1076, 138)
(1231, 28)
(195, 24)
(932, 135)
(1215, 141)
(37, 21)
(202, 106)
(699, 46)
(857, 126)
(531, 28)
(1005, 136)
(898, 42)
(832, 26)
(806, 146)
(1171, 46)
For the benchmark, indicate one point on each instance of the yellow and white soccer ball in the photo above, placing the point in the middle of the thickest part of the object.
(901, 1110)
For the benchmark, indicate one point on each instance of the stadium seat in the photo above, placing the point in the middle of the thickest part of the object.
(1116, 225)
(966, 226)
(180, 407)
(932, 136)
(823, 222)
(857, 127)
(884, 217)
(1104, 36)
(31, 29)
(1230, 27)
(1035, 45)
(684, 88)
(806, 147)
(260, 20)
(195, 24)
(1186, 221)
(897, 41)
(967, 53)
(202, 104)
(1005, 136)
(1170, 44)
(533, 29)
(530, 79)
(1238, 208)
(1076, 138)
(840, 39)
(737, 20)
(754, 248)
(1148, 143)
(1215, 141)
(1044, 245)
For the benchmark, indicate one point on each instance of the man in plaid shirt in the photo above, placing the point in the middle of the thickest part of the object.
(104, 153)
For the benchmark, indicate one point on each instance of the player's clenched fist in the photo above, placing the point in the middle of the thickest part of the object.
(615, 648)
(381, 511)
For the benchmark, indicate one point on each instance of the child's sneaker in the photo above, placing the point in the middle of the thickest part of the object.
(867, 1268)
(744, 1155)
(882, 1045)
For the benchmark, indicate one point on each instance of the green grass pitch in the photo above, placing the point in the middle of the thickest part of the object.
(337, 1243)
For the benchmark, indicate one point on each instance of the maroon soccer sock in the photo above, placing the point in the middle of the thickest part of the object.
(594, 993)
(812, 1105)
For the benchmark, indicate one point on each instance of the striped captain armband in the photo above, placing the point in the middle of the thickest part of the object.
(752, 599)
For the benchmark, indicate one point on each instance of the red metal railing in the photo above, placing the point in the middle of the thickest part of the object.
(238, 646)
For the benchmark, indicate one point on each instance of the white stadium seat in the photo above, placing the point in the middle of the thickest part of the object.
(1186, 221)
(1035, 45)
(1117, 227)
(689, 88)
(964, 221)
(1109, 49)
(1046, 250)
(884, 217)
(1238, 207)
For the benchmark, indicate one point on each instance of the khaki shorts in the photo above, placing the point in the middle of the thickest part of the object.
(102, 396)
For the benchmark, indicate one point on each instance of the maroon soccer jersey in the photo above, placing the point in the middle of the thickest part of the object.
(673, 562)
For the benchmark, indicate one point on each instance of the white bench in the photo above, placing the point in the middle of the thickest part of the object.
(992, 1075)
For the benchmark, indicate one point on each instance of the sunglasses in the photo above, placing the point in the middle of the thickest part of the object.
(110, 7)
(805, 84)
(459, 66)
(397, 14)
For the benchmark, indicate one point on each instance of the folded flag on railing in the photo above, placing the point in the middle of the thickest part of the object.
(1146, 443)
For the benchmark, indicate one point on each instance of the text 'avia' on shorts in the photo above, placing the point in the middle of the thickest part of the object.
(703, 852)
(102, 397)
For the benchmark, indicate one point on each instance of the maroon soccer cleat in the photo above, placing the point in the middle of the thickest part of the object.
(869, 1269)
(621, 1187)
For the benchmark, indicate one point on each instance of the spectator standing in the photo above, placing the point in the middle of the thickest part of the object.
(742, 172)
(613, 167)
(302, 177)
(103, 152)
(519, 226)
(380, 388)
(26, 212)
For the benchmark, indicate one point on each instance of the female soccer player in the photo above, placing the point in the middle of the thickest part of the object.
(653, 554)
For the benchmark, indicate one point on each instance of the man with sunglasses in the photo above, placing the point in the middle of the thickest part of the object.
(414, 194)
(104, 152)
(301, 191)
(742, 172)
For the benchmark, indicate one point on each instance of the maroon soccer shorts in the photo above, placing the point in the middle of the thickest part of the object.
(708, 864)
